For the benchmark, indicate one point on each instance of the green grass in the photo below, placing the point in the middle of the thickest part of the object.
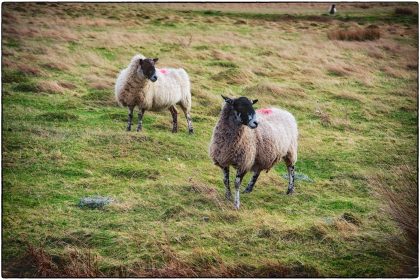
(169, 214)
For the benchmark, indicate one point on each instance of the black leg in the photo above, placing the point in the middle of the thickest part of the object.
(291, 171)
(174, 113)
(228, 194)
(130, 118)
(252, 182)
(238, 181)
(140, 121)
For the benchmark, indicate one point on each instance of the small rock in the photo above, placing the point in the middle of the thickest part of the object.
(94, 202)
(329, 221)
(206, 219)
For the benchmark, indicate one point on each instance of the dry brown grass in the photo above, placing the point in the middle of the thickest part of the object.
(234, 76)
(38, 263)
(275, 90)
(67, 85)
(339, 69)
(350, 96)
(323, 115)
(223, 56)
(401, 205)
(56, 65)
(394, 72)
(100, 82)
(209, 193)
(402, 11)
(31, 70)
(355, 34)
(375, 53)
(50, 87)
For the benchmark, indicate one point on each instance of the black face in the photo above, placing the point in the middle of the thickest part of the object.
(148, 68)
(244, 113)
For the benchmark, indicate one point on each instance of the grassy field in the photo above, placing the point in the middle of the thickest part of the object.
(64, 138)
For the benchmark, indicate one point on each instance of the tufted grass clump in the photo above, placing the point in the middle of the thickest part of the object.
(355, 34)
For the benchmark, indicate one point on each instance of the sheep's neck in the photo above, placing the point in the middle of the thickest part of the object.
(231, 130)
(136, 81)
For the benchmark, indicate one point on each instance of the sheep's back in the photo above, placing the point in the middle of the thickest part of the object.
(276, 134)
(171, 87)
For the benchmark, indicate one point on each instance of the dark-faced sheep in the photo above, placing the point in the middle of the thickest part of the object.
(253, 141)
(332, 10)
(148, 88)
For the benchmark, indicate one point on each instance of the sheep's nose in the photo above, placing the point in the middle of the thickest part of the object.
(253, 124)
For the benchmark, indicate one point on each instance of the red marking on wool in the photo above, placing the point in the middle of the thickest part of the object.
(163, 71)
(265, 111)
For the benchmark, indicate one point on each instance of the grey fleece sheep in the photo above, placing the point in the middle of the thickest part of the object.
(149, 88)
(253, 141)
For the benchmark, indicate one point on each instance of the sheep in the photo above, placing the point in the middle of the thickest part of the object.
(150, 88)
(332, 10)
(253, 141)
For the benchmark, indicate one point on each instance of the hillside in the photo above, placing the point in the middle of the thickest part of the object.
(64, 138)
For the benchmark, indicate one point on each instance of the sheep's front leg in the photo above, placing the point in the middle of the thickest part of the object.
(252, 182)
(130, 118)
(140, 121)
(291, 171)
(174, 113)
(228, 194)
(238, 181)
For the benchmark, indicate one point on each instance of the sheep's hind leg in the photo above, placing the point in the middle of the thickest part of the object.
(252, 182)
(130, 117)
(188, 117)
(238, 181)
(174, 113)
(228, 194)
(291, 171)
(140, 122)
(189, 123)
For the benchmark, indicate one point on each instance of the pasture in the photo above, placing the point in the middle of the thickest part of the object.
(64, 138)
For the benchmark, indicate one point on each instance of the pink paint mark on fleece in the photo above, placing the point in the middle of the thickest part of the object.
(163, 71)
(265, 111)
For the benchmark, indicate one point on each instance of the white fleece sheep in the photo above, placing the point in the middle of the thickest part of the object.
(253, 141)
(150, 88)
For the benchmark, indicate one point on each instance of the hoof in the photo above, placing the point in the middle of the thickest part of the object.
(128, 128)
(290, 191)
(191, 131)
(174, 130)
(247, 190)
(228, 197)
(236, 204)
(139, 129)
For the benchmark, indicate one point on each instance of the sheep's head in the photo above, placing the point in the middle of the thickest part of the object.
(243, 111)
(147, 68)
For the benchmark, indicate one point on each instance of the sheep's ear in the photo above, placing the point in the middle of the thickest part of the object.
(227, 99)
(254, 101)
(155, 60)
